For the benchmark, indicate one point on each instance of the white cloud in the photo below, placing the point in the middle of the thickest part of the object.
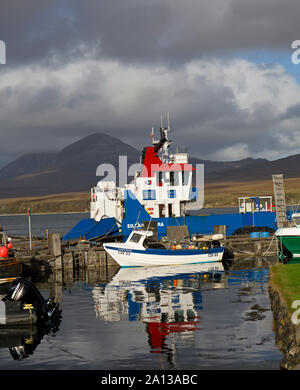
(232, 153)
(226, 110)
(251, 84)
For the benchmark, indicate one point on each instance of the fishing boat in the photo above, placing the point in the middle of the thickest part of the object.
(288, 239)
(166, 189)
(136, 251)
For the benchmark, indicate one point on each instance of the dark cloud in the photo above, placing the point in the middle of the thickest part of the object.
(167, 31)
(211, 104)
(76, 67)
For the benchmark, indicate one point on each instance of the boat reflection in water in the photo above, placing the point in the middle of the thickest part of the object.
(22, 342)
(167, 299)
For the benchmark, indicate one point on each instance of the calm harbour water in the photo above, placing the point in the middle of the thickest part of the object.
(17, 225)
(192, 317)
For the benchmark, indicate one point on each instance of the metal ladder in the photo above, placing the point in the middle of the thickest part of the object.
(280, 204)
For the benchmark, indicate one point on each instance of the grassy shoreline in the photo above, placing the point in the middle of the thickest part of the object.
(216, 195)
(225, 194)
(48, 204)
(285, 279)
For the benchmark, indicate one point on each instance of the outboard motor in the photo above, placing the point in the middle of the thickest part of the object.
(45, 313)
(25, 292)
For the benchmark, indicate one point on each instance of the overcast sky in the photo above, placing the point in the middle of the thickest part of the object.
(222, 68)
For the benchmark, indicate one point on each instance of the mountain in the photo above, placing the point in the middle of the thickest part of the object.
(251, 169)
(217, 169)
(26, 164)
(73, 169)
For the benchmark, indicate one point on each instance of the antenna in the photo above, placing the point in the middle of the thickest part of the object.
(161, 121)
(168, 120)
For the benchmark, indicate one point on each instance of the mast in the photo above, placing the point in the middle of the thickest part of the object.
(164, 142)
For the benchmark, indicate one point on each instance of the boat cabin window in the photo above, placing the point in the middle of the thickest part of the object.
(135, 238)
(186, 177)
(172, 179)
(160, 179)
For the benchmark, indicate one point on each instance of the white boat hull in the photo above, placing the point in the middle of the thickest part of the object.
(127, 257)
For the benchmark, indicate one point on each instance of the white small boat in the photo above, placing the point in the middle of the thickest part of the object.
(134, 253)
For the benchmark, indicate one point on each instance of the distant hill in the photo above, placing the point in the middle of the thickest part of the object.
(73, 169)
(250, 169)
(229, 170)
(26, 164)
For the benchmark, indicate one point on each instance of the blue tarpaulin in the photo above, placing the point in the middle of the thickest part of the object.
(197, 224)
(90, 229)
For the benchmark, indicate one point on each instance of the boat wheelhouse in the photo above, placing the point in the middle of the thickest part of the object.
(163, 185)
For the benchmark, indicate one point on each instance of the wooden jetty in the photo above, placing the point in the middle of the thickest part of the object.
(55, 254)
(245, 246)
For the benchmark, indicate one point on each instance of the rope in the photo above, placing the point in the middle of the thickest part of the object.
(238, 250)
(269, 245)
(149, 223)
(137, 220)
(251, 253)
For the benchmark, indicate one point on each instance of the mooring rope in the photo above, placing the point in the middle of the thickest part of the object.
(251, 253)
(270, 246)
(238, 250)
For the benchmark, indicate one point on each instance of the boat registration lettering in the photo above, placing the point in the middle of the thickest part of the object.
(124, 252)
(213, 254)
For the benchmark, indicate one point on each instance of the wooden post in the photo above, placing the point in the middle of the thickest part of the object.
(29, 229)
(257, 248)
(220, 229)
(91, 259)
(55, 249)
(68, 260)
(56, 289)
(4, 239)
(101, 258)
